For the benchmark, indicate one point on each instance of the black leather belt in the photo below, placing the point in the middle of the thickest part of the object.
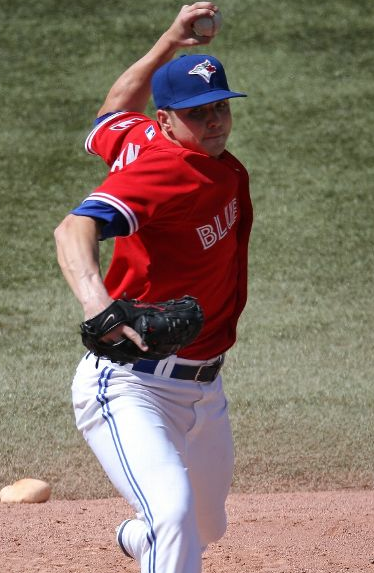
(203, 373)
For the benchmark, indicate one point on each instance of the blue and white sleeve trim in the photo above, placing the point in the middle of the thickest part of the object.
(106, 118)
(114, 223)
(124, 209)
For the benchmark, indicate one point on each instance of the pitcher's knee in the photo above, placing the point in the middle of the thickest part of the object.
(179, 515)
(177, 522)
(211, 530)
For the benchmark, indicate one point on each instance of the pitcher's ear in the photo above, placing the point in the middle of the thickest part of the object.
(164, 120)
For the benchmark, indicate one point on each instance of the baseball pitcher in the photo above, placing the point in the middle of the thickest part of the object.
(148, 393)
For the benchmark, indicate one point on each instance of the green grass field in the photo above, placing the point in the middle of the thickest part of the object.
(300, 379)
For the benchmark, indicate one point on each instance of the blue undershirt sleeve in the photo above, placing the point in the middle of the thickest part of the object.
(102, 117)
(114, 223)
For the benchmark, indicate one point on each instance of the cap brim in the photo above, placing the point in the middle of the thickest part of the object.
(207, 97)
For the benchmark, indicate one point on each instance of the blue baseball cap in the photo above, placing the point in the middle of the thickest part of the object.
(190, 81)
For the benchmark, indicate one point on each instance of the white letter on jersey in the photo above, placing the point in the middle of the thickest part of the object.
(210, 234)
(231, 212)
(131, 155)
(125, 124)
(221, 231)
(207, 236)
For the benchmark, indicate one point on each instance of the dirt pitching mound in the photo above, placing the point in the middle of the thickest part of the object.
(324, 532)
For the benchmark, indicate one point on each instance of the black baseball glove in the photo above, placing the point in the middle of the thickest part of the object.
(165, 327)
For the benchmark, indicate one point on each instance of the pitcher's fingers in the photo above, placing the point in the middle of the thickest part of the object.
(124, 331)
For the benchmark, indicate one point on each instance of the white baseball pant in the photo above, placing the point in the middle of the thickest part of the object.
(166, 446)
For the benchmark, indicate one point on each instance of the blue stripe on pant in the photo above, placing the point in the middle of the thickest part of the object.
(107, 415)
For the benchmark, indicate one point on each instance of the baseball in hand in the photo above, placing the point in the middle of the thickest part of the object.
(208, 25)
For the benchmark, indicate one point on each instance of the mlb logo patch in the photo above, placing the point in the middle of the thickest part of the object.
(204, 70)
(150, 132)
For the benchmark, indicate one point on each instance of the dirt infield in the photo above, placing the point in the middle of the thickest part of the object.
(324, 532)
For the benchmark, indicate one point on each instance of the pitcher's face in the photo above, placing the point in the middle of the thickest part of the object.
(204, 128)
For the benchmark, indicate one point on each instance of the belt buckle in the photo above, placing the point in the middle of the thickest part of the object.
(196, 379)
(218, 363)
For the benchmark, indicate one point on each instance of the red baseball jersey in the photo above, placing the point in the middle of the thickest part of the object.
(188, 218)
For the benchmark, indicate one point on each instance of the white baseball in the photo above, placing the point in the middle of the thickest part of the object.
(208, 26)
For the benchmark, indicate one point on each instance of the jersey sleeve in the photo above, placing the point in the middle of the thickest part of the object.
(114, 224)
(107, 138)
(148, 188)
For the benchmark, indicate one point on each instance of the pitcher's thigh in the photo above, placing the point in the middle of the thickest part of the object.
(137, 452)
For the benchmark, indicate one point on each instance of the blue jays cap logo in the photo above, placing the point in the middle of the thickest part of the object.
(204, 70)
